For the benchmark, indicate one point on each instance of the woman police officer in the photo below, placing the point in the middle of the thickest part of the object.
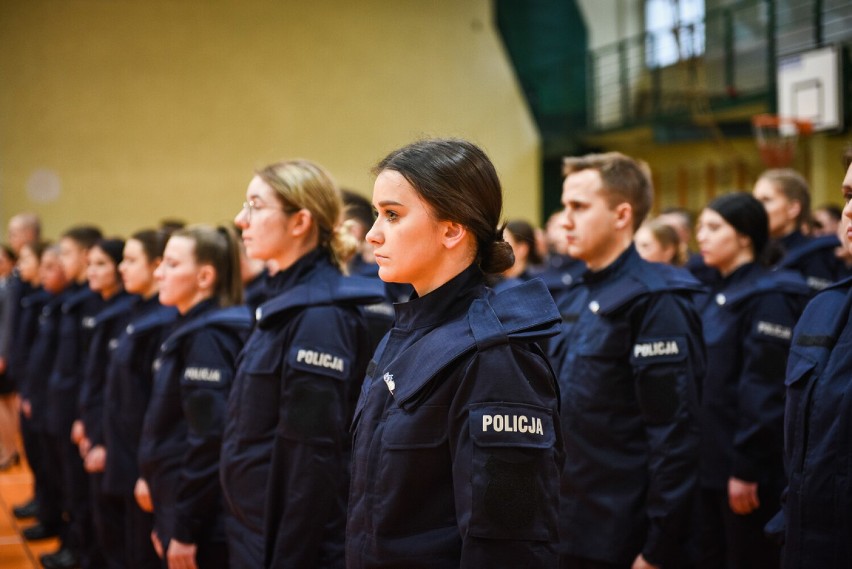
(457, 448)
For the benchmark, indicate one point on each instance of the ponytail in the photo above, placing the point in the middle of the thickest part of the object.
(217, 247)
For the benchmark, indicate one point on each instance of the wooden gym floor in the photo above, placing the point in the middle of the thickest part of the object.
(16, 487)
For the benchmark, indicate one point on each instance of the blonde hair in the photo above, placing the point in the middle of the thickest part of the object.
(302, 184)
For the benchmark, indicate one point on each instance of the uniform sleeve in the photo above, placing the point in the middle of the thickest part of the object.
(667, 359)
(91, 404)
(506, 447)
(205, 382)
(324, 364)
(758, 439)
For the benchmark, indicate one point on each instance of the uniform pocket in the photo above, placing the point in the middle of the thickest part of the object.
(800, 372)
(514, 477)
(256, 392)
(424, 428)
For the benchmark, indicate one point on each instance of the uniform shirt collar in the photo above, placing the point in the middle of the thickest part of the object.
(444, 303)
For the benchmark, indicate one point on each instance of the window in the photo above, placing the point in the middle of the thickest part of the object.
(674, 31)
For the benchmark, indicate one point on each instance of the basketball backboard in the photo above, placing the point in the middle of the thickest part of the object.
(809, 88)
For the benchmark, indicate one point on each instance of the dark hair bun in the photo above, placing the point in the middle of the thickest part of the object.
(496, 257)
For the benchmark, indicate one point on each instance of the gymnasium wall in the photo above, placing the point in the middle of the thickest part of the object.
(123, 112)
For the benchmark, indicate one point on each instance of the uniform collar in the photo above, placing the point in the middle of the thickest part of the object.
(740, 274)
(445, 302)
(623, 260)
(792, 240)
(296, 272)
(199, 309)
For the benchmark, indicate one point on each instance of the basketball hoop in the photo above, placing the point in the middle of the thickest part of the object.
(777, 138)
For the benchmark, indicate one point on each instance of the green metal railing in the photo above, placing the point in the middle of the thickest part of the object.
(741, 44)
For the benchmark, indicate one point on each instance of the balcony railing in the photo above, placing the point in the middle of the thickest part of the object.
(740, 46)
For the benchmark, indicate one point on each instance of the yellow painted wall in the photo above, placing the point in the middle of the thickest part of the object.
(681, 170)
(142, 110)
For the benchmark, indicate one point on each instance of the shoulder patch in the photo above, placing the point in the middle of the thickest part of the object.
(658, 350)
(772, 330)
(318, 360)
(817, 341)
(817, 283)
(203, 374)
(511, 425)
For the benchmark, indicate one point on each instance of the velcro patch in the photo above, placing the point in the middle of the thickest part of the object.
(658, 350)
(809, 340)
(772, 330)
(319, 361)
(511, 425)
(204, 374)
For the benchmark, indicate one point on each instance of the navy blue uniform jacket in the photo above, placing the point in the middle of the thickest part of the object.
(285, 456)
(813, 258)
(107, 325)
(818, 435)
(748, 322)
(628, 360)
(31, 303)
(457, 449)
(41, 359)
(129, 377)
(66, 378)
(182, 433)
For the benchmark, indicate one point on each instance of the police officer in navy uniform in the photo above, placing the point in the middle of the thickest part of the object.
(182, 432)
(31, 303)
(748, 320)
(33, 392)
(88, 430)
(818, 499)
(286, 452)
(129, 377)
(628, 360)
(785, 195)
(64, 384)
(457, 449)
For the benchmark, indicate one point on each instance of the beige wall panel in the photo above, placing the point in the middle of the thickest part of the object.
(140, 110)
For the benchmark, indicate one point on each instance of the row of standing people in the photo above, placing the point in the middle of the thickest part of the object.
(461, 436)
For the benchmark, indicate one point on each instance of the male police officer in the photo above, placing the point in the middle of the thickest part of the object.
(628, 360)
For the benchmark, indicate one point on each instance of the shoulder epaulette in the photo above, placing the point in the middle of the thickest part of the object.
(650, 278)
(787, 282)
(120, 306)
(524, 313)
(233, 318)
(348, 290)
(76, 298)
(156, 318)
(792, 258)
(38, 297)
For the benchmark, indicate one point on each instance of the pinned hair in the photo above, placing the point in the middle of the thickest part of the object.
(459, 182)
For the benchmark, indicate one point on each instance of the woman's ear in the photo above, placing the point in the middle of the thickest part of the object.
(206, 277)
(301, 223)
(453, 234)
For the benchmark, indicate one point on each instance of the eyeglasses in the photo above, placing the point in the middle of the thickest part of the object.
(252, 206)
